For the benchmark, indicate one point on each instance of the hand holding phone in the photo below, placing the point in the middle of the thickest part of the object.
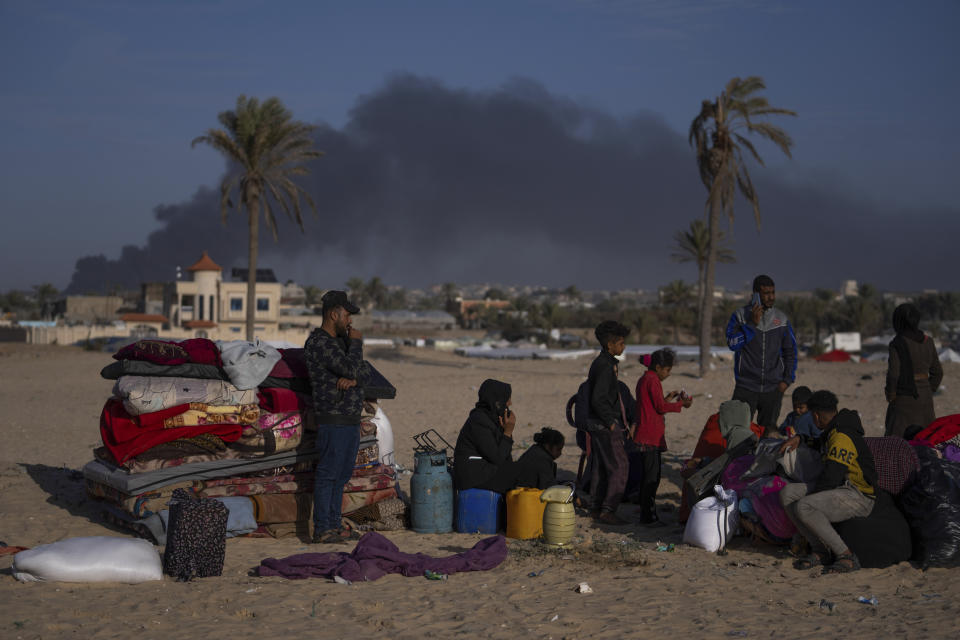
(756, 308)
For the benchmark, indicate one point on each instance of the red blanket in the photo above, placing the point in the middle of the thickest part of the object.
(292, 365)
(125, 437)
(277, 400)
(195, 350)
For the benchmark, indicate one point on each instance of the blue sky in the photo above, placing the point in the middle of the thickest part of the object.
(99, 100)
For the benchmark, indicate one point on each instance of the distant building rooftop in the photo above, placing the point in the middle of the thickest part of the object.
(263, 275)
(205, 263)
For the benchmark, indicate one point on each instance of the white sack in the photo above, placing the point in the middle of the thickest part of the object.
(713, 520)
(90, 559)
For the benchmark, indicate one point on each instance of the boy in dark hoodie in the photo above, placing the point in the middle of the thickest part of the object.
(609, 467)
(846, 488)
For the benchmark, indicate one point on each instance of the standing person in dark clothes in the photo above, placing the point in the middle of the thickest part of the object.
(334, 357)
(609, 467)
(846, 488)
(483, 458)
(765, 353)
(913, 373)
(537, 467)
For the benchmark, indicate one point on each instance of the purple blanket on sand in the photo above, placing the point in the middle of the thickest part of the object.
(375, 556)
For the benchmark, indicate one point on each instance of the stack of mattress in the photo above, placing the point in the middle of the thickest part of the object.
(231, 421)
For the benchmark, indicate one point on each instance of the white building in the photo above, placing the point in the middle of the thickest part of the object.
(207, 302)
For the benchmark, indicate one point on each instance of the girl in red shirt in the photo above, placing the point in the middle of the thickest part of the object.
(649, 434)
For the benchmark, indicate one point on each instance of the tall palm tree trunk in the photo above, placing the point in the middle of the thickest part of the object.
(701, 275)
(706, 311)
(254, 220)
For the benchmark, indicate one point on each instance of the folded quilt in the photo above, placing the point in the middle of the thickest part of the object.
(277, 400)
(278, 508)
(199, 413)
(370, 482)
(359, 499)
(194, 350)
(292, 364)
(127, 436)
(247, 363)
(135, 483)
(146, 394)
(144, 504)
(116, 370)
(272, 432)
(202, 448)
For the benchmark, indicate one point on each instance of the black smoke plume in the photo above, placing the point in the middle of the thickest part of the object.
(426, 183)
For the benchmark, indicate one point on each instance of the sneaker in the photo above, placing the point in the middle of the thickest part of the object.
(330, 536)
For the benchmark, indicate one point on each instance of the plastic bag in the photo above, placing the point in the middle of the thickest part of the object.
(932, 507)
(90, 559)
(384, 437)
(713, 520)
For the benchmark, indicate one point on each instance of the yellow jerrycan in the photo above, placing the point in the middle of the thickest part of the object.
(559, 519)
(524, 513)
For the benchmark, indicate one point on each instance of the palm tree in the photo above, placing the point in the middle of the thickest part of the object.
(693, 245)
(269, 148)
(717, 134)
(376, 292)
(450, 293)
(45, 293)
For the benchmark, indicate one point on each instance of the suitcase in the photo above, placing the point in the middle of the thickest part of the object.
(196, 537)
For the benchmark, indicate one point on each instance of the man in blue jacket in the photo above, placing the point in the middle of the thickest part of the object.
(765, 353)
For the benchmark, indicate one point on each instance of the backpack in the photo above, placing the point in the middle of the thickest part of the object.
(579, 415)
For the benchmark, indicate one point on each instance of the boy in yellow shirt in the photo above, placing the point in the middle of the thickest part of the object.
(846, 488)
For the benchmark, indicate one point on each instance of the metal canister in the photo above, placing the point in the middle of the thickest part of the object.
(431, 493)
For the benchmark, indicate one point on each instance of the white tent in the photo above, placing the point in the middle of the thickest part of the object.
(949, 355)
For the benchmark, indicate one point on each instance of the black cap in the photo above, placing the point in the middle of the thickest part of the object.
(333, 299)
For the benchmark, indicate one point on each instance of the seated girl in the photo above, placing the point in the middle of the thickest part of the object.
(537, 467)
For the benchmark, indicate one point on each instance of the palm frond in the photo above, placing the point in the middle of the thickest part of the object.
(773, 133)
(749, 146)
(746, 188)
(269, 217)
(225, 203)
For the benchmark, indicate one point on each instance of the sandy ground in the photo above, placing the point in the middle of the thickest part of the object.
(51, 399)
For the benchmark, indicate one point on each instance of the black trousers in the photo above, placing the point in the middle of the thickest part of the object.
(765, 405)
(608, 469)
(651, 460)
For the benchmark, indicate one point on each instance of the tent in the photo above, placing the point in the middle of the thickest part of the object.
(949, 355)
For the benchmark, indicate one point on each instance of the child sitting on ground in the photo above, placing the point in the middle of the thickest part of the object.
(537, 467)
(649, 435)
(800, 420)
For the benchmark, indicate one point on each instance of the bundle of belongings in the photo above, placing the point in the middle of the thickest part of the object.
(758, 473)
(230, 421)
(932, 503)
